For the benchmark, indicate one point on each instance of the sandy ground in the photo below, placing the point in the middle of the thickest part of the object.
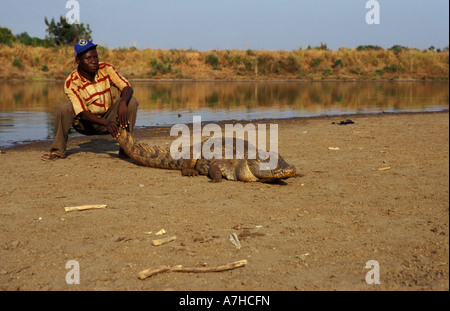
(317, 232)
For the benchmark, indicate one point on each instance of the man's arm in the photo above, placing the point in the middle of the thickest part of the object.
(122, 113)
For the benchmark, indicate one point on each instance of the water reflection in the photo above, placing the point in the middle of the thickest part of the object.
(27, 109)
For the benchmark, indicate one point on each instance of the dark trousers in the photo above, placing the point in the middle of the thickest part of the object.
(65, 119)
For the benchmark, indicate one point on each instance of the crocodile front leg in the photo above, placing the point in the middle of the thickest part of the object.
(214, 173)
(188, 168)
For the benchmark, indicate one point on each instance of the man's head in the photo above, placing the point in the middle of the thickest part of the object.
(86, 56)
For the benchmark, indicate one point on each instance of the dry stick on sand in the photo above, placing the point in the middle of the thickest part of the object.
(164, 241)
(83, 207)
(383, 169)
(151, 272)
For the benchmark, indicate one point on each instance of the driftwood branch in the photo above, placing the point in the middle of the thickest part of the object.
(179, 268)
(83, 207)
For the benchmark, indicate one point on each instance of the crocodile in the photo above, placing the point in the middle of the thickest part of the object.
(242, 169)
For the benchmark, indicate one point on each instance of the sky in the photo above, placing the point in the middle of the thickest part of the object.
(241, 24)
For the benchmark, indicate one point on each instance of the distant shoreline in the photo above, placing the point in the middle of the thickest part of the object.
(26, 63)
(244, 81)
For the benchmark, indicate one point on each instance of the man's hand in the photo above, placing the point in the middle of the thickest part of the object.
(122, 114)
(112, 128)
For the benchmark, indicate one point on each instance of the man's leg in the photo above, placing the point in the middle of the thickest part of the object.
(132, 113)
(132, 106)
(63, 122)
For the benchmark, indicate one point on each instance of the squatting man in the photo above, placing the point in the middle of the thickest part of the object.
(100, 101)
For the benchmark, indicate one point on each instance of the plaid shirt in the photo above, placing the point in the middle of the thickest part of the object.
(95, 97)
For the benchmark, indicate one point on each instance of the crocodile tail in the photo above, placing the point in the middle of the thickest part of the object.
(146, 155)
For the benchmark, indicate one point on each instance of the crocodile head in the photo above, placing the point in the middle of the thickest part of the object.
(283, 170)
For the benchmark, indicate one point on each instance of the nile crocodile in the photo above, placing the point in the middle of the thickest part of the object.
(245, 169)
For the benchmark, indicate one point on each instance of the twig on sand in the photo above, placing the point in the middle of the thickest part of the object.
(164, 241)
(179, 268)
(83, 207)
(383, 169)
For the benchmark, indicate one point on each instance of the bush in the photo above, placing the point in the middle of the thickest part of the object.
(369, 48)
(17, 62)
(250, 52)
(25, 39)
(322, 47)
(327, 72)
(292, 64)
(393, 68)
(160, 67)
(6, 36)
(316, 62)
(235, 60)
(212, 60)
(398, 48)
(379, 72)
(338, 63)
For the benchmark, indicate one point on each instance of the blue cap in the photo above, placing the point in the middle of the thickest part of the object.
(82, 46)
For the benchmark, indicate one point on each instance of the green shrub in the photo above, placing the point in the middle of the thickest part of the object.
(322, 47)
(17, 62)
(235, 60)
(338, 63)
(212, 60)
(327, 72)
(25, 39)
(163, 68)
(316, 62)
(369, 48)
(250, 52)
(393, 68)
(292, 64)
(6, 36)
(398, 48)
(379, 72)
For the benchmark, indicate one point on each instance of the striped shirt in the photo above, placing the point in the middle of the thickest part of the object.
(96, 97)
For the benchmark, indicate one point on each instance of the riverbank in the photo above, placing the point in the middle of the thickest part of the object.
(21, 62)
(380, 192)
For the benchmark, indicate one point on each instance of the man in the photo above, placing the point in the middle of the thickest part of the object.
(93, 107)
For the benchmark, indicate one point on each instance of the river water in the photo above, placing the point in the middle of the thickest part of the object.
(27, 109)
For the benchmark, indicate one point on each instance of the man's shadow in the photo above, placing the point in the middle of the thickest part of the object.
(97, 145)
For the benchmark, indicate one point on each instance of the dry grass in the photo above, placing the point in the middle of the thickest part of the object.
(38, 63)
